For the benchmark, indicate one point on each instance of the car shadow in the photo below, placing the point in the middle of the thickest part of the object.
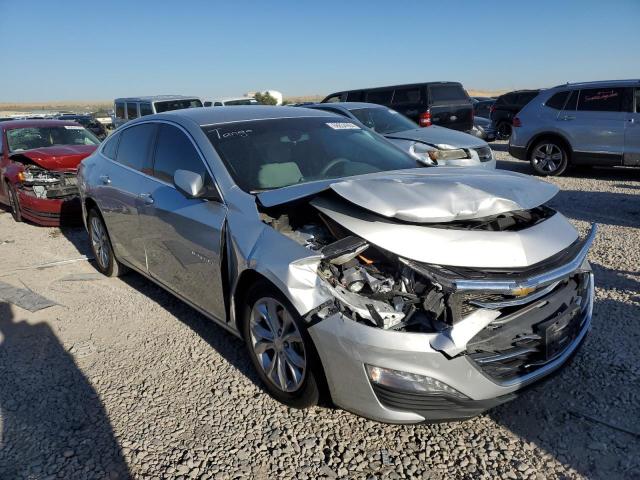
(231, 348)
(53, 421)
(610, 208)
(499, 147)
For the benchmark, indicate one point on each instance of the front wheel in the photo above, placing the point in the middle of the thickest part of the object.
(549, 158)
(280, 347)
(503, 130)
(101, 246)
(13, 202)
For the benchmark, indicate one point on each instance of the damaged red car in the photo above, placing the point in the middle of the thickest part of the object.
(38, 164)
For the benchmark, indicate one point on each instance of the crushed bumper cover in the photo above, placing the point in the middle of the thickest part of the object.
(50, 212)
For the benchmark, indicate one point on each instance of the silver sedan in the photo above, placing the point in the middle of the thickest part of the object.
(401, 292)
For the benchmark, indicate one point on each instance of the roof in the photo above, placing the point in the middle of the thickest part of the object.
(347, 105)
(617, 83)
(212, 115)
(156, 98)
(10, 124)
(405, 85)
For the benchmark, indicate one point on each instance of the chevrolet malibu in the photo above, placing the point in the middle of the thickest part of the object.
(405, 293)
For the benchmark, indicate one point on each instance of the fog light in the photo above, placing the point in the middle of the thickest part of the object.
(410, 382)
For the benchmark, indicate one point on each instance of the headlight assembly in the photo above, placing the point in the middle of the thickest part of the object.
(432, 155)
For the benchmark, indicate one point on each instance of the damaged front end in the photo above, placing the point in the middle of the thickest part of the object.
(47, 184)
(406, 340)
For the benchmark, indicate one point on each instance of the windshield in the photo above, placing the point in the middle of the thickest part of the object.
(177, 105)
(267, 154)
(19, 139)
(384, 120)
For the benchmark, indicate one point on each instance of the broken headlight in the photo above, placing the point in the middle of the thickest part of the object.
(38, 176)
(410, 382)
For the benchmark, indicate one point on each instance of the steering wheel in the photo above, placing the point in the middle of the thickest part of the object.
(331, 164)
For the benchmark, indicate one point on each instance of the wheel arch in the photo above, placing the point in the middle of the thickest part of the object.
(550, 136)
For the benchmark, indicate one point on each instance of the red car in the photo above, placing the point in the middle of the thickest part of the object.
(38, 164)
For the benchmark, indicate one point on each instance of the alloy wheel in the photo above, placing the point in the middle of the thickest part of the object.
(277, 344)
(547, 157)
(99, 242)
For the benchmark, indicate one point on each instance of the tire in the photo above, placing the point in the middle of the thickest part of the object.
(291, 347)
(549, 158)
(106, 261)
(13, 202)
(503, 130)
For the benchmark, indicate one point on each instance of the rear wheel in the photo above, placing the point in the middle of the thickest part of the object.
(504, 130)
(13, 202)
(280, 347)
(549, 158)
(101, 246)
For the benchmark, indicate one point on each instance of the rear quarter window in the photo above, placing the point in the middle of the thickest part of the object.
(557, 100)
(111, 146)
(447, 93)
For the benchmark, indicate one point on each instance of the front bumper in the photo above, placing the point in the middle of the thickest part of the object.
(50, 212)
(518, 152)
(346, 347)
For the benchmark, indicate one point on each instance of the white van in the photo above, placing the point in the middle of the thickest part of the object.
(126, 109)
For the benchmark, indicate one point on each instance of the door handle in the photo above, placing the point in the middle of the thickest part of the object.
(147, 198)
(105, 179)
(568, 117)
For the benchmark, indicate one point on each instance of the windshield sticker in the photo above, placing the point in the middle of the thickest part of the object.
(236, 133)
(343, 126)
(73, 127)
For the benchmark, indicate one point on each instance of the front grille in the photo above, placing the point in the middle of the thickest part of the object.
(524, 338)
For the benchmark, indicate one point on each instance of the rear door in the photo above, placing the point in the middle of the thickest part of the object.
(450, 106)
(183, 236)
(596, 129)
(632, 132)
(121, 185)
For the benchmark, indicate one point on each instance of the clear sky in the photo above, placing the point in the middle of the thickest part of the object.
(98, 50)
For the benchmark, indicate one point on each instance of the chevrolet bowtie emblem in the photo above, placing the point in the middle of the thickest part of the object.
(522, 291)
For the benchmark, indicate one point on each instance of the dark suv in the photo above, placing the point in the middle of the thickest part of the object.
(506, 107)
(439, 103)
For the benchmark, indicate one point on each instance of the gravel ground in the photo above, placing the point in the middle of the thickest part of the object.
(122, 380)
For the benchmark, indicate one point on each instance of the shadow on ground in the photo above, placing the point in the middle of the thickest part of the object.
(53, 421)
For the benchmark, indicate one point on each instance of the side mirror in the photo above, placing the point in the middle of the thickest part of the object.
(190, 184)
(207, 104)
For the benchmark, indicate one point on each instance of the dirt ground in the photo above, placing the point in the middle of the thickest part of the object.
(119, 379)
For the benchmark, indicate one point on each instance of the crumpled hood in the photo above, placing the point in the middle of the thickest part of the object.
(442, 194)
(60, 157)
(435, 135)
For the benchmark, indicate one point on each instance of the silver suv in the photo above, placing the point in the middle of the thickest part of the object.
(595, 123)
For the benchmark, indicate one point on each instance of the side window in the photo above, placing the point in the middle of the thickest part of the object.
(333, 98)
(134, 149)
(217, 104)
(382, 97)
(572, 102)
(637, 101)
(557, 100)
(111, 146)
(132, 110)
(174, 151)
(601, 99)
(406, 95)
(119, 110)
(145, 109)
(356, 96)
